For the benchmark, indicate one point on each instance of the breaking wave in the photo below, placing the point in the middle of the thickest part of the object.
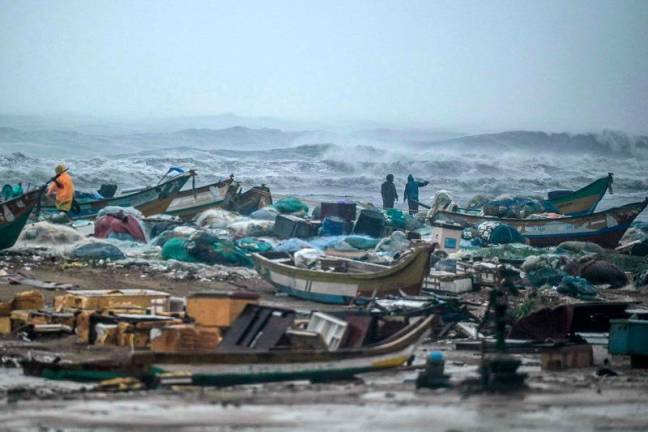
(511, 162)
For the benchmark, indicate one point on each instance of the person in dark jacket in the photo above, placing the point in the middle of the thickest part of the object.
(411, 194)
(388, 191)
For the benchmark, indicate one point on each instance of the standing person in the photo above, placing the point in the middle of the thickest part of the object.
(62, 187)
(411, 194)
(388, 191)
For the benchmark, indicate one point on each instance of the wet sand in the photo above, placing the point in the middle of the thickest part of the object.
(575, 399)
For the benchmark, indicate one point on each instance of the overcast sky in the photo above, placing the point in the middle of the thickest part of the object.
(562, 66)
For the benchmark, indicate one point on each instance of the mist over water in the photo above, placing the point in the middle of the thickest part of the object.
(333, 165)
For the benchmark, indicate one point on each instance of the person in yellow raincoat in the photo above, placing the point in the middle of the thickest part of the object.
(63, 188)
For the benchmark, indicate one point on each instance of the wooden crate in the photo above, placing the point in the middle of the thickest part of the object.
(110, 299)
(217, 309)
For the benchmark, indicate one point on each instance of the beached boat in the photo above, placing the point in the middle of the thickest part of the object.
(223, 194)
(583, 201)
(341, 280)
(150, 201)
(604, 228)
(232, 368)
(13, 216)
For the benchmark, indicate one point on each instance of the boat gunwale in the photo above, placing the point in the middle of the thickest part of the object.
(320, 275)
(410, 335)
(98, 204)
(639, 205)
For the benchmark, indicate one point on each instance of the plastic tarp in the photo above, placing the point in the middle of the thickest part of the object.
(98, 251)
(121, 226)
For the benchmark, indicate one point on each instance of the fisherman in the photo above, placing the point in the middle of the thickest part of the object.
(388, 191)
(411, 194)
(62, 187)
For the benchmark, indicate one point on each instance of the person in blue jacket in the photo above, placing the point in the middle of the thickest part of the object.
(411, 194)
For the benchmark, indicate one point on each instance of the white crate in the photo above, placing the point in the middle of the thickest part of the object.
(455, 283)
(332, 329)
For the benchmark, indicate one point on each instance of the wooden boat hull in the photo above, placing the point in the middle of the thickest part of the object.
(604, 228)
(225, 194)
(221, 369)
(249, 368)
(14, 215)
(150, 201)
(583, 201)
(341, 288)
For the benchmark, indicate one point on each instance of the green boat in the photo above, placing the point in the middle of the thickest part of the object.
(13, 216)
(582, 201)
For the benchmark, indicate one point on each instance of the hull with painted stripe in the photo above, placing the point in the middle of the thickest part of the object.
(222, 369)
(248, 368)
(604, 228)
(583, 201)
(150, 201)
(341, 287)
(14, 215)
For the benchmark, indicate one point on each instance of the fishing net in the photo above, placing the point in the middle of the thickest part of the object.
(252, 245)
(290, 205)
(176, 249)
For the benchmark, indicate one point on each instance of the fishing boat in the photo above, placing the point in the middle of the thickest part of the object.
(341, 280)
(604, 228)
(583, 201)
(224, 194)
(233, 368)
(13, 216)
(149, 201)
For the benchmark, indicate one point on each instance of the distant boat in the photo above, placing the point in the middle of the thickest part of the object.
(345, 279)
(233, 368)
(583, 201)
(14, 214)
(604, 228)
(223, 194)
(150, 201)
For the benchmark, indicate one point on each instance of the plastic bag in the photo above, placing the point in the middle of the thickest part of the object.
(291, 205)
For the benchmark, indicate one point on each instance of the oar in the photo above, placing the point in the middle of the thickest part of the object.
(421, 204)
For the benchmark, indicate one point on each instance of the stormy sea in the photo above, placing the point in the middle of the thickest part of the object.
(317, 164)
